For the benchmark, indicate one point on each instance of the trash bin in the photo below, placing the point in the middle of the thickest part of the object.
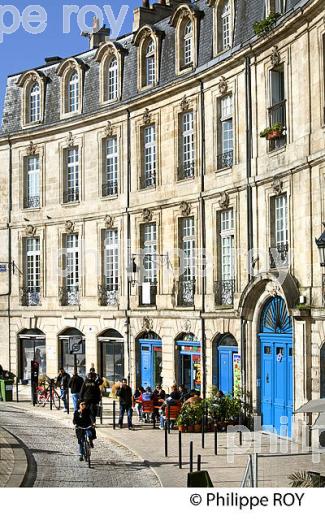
(6, 389)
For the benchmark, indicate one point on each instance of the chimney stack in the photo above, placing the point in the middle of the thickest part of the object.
(97, 36)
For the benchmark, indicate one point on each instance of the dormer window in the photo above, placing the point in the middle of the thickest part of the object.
(188, 44)
(72, 74)
(73, 93)
(225, 25)
(112, 80)
(35, 103)
(275, 6)
(150, 64)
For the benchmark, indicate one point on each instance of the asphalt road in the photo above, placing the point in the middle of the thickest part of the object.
(53, 455)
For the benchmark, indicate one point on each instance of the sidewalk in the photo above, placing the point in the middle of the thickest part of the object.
(13, 461)
(226, 469)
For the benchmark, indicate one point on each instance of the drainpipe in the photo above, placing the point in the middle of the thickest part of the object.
(203, 242)
(128, 232)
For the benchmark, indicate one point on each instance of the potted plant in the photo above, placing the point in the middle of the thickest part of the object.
(266, 25)
(184, 419)
(273, 132)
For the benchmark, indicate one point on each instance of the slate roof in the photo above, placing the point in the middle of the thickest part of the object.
(246, 13)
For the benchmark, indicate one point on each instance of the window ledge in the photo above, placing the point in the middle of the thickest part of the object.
(109, 197)
(29, 210)
(225, 169)
(68, 115)
(185, 70)
(278, 151)
(32, 125)
(76, 203)
(188, 179)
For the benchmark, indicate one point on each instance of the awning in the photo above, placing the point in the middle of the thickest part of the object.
(315, 406)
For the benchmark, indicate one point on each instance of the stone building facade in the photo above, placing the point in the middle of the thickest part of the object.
(145, 221)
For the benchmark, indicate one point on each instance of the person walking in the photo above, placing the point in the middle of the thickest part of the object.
(90, 393)
(63, 383)
(125, 395)
(75, 385)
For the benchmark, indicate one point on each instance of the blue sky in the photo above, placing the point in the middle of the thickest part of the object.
(22, 51)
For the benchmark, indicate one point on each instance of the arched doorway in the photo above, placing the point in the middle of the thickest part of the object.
(276, 371)
(32, 347)
(189, 361)
(149, 360)
(322, 372)
(71, 357)
(228, 365)
(111, 355)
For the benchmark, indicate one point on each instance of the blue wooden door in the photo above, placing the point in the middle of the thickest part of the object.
(226, 369)
(276, 367)
(146, 366)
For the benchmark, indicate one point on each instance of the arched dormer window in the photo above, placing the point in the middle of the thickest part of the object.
(185, 20)
(33, 93)
(71, 72)
(223, 24)
(110, 56)
(73, 92)
(35, 103)
(150, 64)
(148, 41)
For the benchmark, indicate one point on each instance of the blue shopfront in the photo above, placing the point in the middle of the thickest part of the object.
(189, 363)
(276, 367)
(149, 366)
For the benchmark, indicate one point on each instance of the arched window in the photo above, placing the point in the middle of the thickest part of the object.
(73, 93)
(150, 76)
(225, 25)
(188, 44)
(112, 80)
(322, 373)
(34, 103)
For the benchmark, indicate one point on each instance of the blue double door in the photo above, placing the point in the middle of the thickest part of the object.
(226, 368)
(276, 382)
(151, 362)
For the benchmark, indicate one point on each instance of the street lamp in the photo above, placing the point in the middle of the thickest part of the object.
(320, 242)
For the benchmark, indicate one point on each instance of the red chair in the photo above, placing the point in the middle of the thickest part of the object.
(172, 412)
(148, 412)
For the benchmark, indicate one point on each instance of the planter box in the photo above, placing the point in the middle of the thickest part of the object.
(275, 134)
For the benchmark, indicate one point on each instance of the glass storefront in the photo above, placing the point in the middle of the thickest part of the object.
(31, 349)
(112, 363)
(68, 360)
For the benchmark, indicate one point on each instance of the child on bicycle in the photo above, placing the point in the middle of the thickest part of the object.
(82, 419)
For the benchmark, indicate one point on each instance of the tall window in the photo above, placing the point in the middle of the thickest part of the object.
(225, 142)
(277, 6)
(112, 90)
(110, 185)
(187, 261)
(150, 64)
(70, 292)
(35, 103)
(277, 109)
(149, 173)
(322, 372)
(188, 44)
(71, 193)
(225, 286)
(111, 260)
(225, 25)
(73, 93)
(32, 187)
(31, 293)
(186, 163)
(148, 289)
(279, 231)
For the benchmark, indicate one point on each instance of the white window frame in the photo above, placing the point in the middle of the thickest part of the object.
(187, 145)
(72, 262)
(150, 63)
(33, 265)
(281, 220)
(111, 166)
(225, 20)
(73, 86)
(188, 44)
(72, 177)
(32, 186)
(149, 249)
(227, 240)
(226, 124)
(112, 79)
(150, 156)
(111, 260)
(35, 103)
(188, 244)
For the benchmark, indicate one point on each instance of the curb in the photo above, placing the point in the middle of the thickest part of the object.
(19, 472)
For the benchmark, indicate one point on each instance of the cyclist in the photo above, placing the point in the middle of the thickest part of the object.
(90, 393)
(83, 419)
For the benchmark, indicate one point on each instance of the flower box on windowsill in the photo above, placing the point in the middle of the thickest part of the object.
(266, 25)
(276, 131)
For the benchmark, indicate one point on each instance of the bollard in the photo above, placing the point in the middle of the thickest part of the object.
(191, 457)
(101, 410)
(215, 439)
(51, 394)
(68, 401)
(17, 396)
(114, 414)
(166, 439)
(180, 450)
(168, 417)
(240, 438)
(199, 462)
(202, 431)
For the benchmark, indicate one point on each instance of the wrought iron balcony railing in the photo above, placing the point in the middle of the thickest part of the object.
(225, 160)
(109, 188)
(71, 195)
(32, 202)
(224, 291)
(143, 295)
(148, 181)
(186, 171)
(30, 296)
(108, 295)
(186, 293)
(279, 256)
(69, 296)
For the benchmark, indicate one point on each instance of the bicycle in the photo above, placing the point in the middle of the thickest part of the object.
(85, 442)
(43, 396)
